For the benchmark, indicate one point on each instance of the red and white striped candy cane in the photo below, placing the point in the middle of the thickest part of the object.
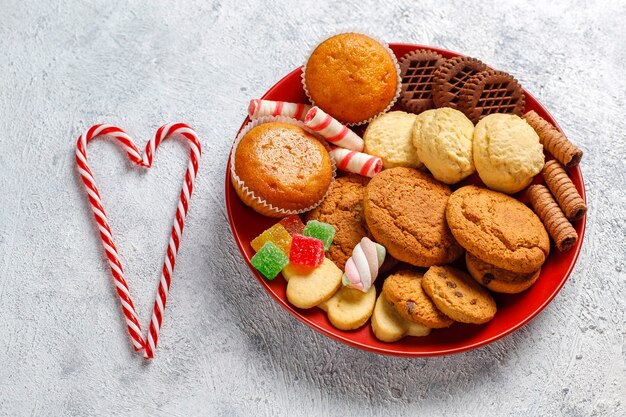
(145, 160)
(332, 130)
(259, 108)
(356, 162)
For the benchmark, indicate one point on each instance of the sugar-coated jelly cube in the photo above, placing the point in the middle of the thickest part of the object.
(293, 224)
(319, 230)
(269, 260)
(276, 234)
(306, 251)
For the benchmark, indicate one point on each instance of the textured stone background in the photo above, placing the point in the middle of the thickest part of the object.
(226, 347)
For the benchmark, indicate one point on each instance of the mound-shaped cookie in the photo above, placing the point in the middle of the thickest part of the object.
(443, 140)
(404, 290)
(405, 212)
(389, 326)
(497, 229)
(507, 152)
(350, 309)
(458, 296)
(343, 208)
(498, 279)
(390, 137)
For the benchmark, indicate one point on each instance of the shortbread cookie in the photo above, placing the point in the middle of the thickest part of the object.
(389, 326)
(458, 296)
(498, 279)
(507, 152)
(451, 77)
(417, 69)
(307, 288)
(404, 290)
(390, 137)
(443, 140)
(343, 208)
(560, 229)
(497, 229)
(490, 92)
(405, 212)
(350, 309)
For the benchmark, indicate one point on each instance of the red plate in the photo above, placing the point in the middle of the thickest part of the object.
(513, 310)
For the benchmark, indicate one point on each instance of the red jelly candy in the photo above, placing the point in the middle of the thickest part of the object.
(306, 251)
(293, 224)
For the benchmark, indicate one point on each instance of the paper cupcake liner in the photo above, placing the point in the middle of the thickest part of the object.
(389, 51)
(267, 208)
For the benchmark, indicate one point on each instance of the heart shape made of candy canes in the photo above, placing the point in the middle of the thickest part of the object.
(166, 131)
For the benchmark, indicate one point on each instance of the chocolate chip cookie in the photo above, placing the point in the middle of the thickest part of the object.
(458, 296)
(404, 290)
(498, 279)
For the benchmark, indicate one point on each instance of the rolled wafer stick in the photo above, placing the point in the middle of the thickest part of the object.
(560, 229)
(259, 108)
(356, 162)
(564, 191)
(554, 141)
(332, 130)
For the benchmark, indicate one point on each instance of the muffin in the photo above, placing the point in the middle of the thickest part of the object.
(443, 141)
(390, 137)
(352, 77)
(507, 152)
(280, 169)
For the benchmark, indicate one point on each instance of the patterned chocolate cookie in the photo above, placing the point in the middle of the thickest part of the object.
(417, 69)
(451, 77)
(491, 92)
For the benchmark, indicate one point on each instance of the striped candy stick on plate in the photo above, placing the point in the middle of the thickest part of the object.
(259, 108)
(164, 132)
(356, 162)
(332, 130)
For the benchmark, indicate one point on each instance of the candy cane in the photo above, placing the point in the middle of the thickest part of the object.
(332, 130)
(259, 108)
(357, 162)
(106, 235)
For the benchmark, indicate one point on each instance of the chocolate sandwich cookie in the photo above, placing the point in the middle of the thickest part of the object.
(417, 69)
(491, 92)
(451, 77)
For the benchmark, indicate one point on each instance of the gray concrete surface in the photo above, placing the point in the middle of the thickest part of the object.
(226, 347)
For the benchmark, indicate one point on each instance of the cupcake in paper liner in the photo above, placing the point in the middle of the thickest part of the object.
(279, 167)
(353, 77)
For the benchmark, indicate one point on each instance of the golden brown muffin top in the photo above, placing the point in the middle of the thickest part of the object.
(352, 77)
(284, 165)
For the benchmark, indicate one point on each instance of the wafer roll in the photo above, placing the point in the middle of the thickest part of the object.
(560, 229)
(564, 190)
(554, 141)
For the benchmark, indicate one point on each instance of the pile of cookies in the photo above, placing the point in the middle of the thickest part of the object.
(391, 205)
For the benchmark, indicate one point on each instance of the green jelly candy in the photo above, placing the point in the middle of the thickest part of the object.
(322, 231)
(269, 260)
